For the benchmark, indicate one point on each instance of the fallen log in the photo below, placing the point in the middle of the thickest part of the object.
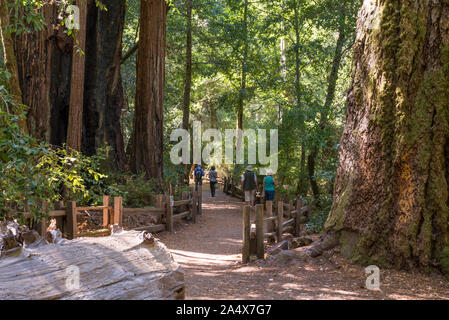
(122, 266)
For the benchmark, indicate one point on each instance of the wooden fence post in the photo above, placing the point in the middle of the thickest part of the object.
(43, 225)
(106, 211)
(246, 234)
(59, 220)
(279, 224)
(271, 225)
(168, 214)
(71, 220)
(297, 224)
(200, 200)
(299, 204)
(159, 204)
(290, 208)
(185, 196)
(118, 211)
(260, 232)
(194, 206)
(159, 200)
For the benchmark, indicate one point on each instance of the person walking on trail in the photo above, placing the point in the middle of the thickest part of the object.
(213, 175)
(268, 187)
(249, 185)
(198, 173)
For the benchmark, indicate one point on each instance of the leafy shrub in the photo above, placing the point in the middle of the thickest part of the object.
(319, 216)
(32, 173)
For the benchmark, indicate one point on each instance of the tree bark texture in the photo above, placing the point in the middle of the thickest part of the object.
(391, 193)
(44, 62)
(45, 68)
(104, 96)
(75, 121)
(147, 145)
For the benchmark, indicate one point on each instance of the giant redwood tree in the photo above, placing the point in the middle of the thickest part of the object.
(391, 193)
(45, 60)
(104, 97)
(147, 143)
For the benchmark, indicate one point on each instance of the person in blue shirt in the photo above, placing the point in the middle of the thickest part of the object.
(213, 180)
(269, 187)
(198, 173)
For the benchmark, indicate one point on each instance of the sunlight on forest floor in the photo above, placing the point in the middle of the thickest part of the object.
(210, 254)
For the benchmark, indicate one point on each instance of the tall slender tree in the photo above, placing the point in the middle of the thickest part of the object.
(147, 144)
(188, 67)
(188, 79)
(75, 121)
(244, 68)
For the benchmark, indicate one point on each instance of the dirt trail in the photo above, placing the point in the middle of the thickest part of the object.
(209, 252)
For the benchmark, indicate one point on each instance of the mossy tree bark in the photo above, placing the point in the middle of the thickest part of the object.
(391, 193)
(147, 144)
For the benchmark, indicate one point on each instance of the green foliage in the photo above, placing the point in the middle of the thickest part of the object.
(274, 97)
(319, 216)
(137, 191)
(32, 173)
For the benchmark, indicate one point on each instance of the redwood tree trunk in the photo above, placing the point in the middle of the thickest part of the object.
(104, 96)
(147, 145)
(45, 65)
(75, 121)
(391, 193)
(44, 61)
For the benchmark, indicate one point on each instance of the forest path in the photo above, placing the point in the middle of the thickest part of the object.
(210, 254)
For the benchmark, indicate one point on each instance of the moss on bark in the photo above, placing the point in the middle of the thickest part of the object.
(391, 200)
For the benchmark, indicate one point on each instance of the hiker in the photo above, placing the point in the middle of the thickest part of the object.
(198, 173)
(249, 185)
(213, 180)
(268, 187)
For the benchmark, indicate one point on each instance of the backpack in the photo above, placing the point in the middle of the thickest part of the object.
(248, 182)
(198, 174)
(213, 176)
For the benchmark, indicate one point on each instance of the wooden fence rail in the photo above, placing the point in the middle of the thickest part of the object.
(166, 210)
(273, 219)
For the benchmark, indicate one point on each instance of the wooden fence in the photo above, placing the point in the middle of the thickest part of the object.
(166, 210)
(273, 219)
(271, 224)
